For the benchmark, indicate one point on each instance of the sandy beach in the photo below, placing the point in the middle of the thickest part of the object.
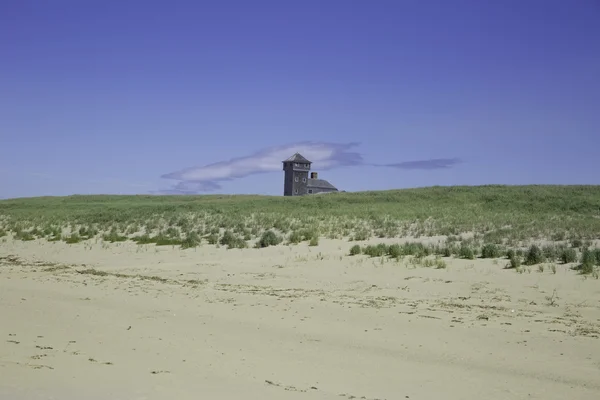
(127, 321)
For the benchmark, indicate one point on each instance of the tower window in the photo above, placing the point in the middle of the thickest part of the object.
(304, 180)
(296, 165)
(296, 179)
(296, 191)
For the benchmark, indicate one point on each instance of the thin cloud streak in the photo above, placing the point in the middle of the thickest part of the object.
(208, 178)
(324, 155)
(434, 163)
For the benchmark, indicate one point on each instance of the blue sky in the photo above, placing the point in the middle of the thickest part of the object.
(106, 96)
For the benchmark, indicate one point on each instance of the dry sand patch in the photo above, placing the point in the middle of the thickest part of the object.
(141, 322)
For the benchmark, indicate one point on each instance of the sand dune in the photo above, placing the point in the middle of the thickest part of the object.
(299, 322)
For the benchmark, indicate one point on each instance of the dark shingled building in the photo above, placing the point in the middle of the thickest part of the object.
(297, 182)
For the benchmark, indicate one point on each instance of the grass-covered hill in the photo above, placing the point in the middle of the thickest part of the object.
(511, 212)
(482, 221)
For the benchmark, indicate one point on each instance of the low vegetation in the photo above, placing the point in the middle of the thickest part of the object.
(528, 225)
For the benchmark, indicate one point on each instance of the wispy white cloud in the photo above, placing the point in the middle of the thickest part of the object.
(207, 178)
(434, 163)
(324, 155)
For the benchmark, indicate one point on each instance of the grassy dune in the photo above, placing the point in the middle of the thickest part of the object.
(506, 216)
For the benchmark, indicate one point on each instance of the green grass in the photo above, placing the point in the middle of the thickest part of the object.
(505, 216)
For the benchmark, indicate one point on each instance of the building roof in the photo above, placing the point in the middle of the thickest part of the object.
(297, 158)
(319, 183)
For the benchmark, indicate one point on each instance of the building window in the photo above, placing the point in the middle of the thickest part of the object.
(304, 180)
(296, 179)
(309, 190)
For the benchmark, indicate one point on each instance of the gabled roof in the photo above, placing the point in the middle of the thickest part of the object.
(319, 183)
(297, 158)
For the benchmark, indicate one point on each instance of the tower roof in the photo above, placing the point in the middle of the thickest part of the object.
(297, 158)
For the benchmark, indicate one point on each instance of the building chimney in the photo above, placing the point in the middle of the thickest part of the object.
(313, 175)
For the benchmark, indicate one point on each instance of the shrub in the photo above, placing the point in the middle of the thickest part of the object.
(394, 250)
(74, 238)
(132, 229)
(520, 253)
(510, 254)
(162, 240)
(597, 254)
(237, 243)
(424, 262)
(232, 241)
(534, 255)
(447, 251)
(36, 232)
(355, 250)
(144, 239)
(550, 252)
(588, 259)
(227, 238)
(362, 234)
(2, 232)
(114, 236)
(376, 251)
(190, 241)
(309, 234)
(558, 236)
(213, 238)
(568, 256)
(282, 225)
(439, 263)
(576, 243)
(490, 251)
(314, 241)
(515, 262)
(415, 249)
(269, 238)
(453, 239)
(24, 236)
(466, 252)
(495, 237)
(295, 237)
(172, 232)
(55, 232)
